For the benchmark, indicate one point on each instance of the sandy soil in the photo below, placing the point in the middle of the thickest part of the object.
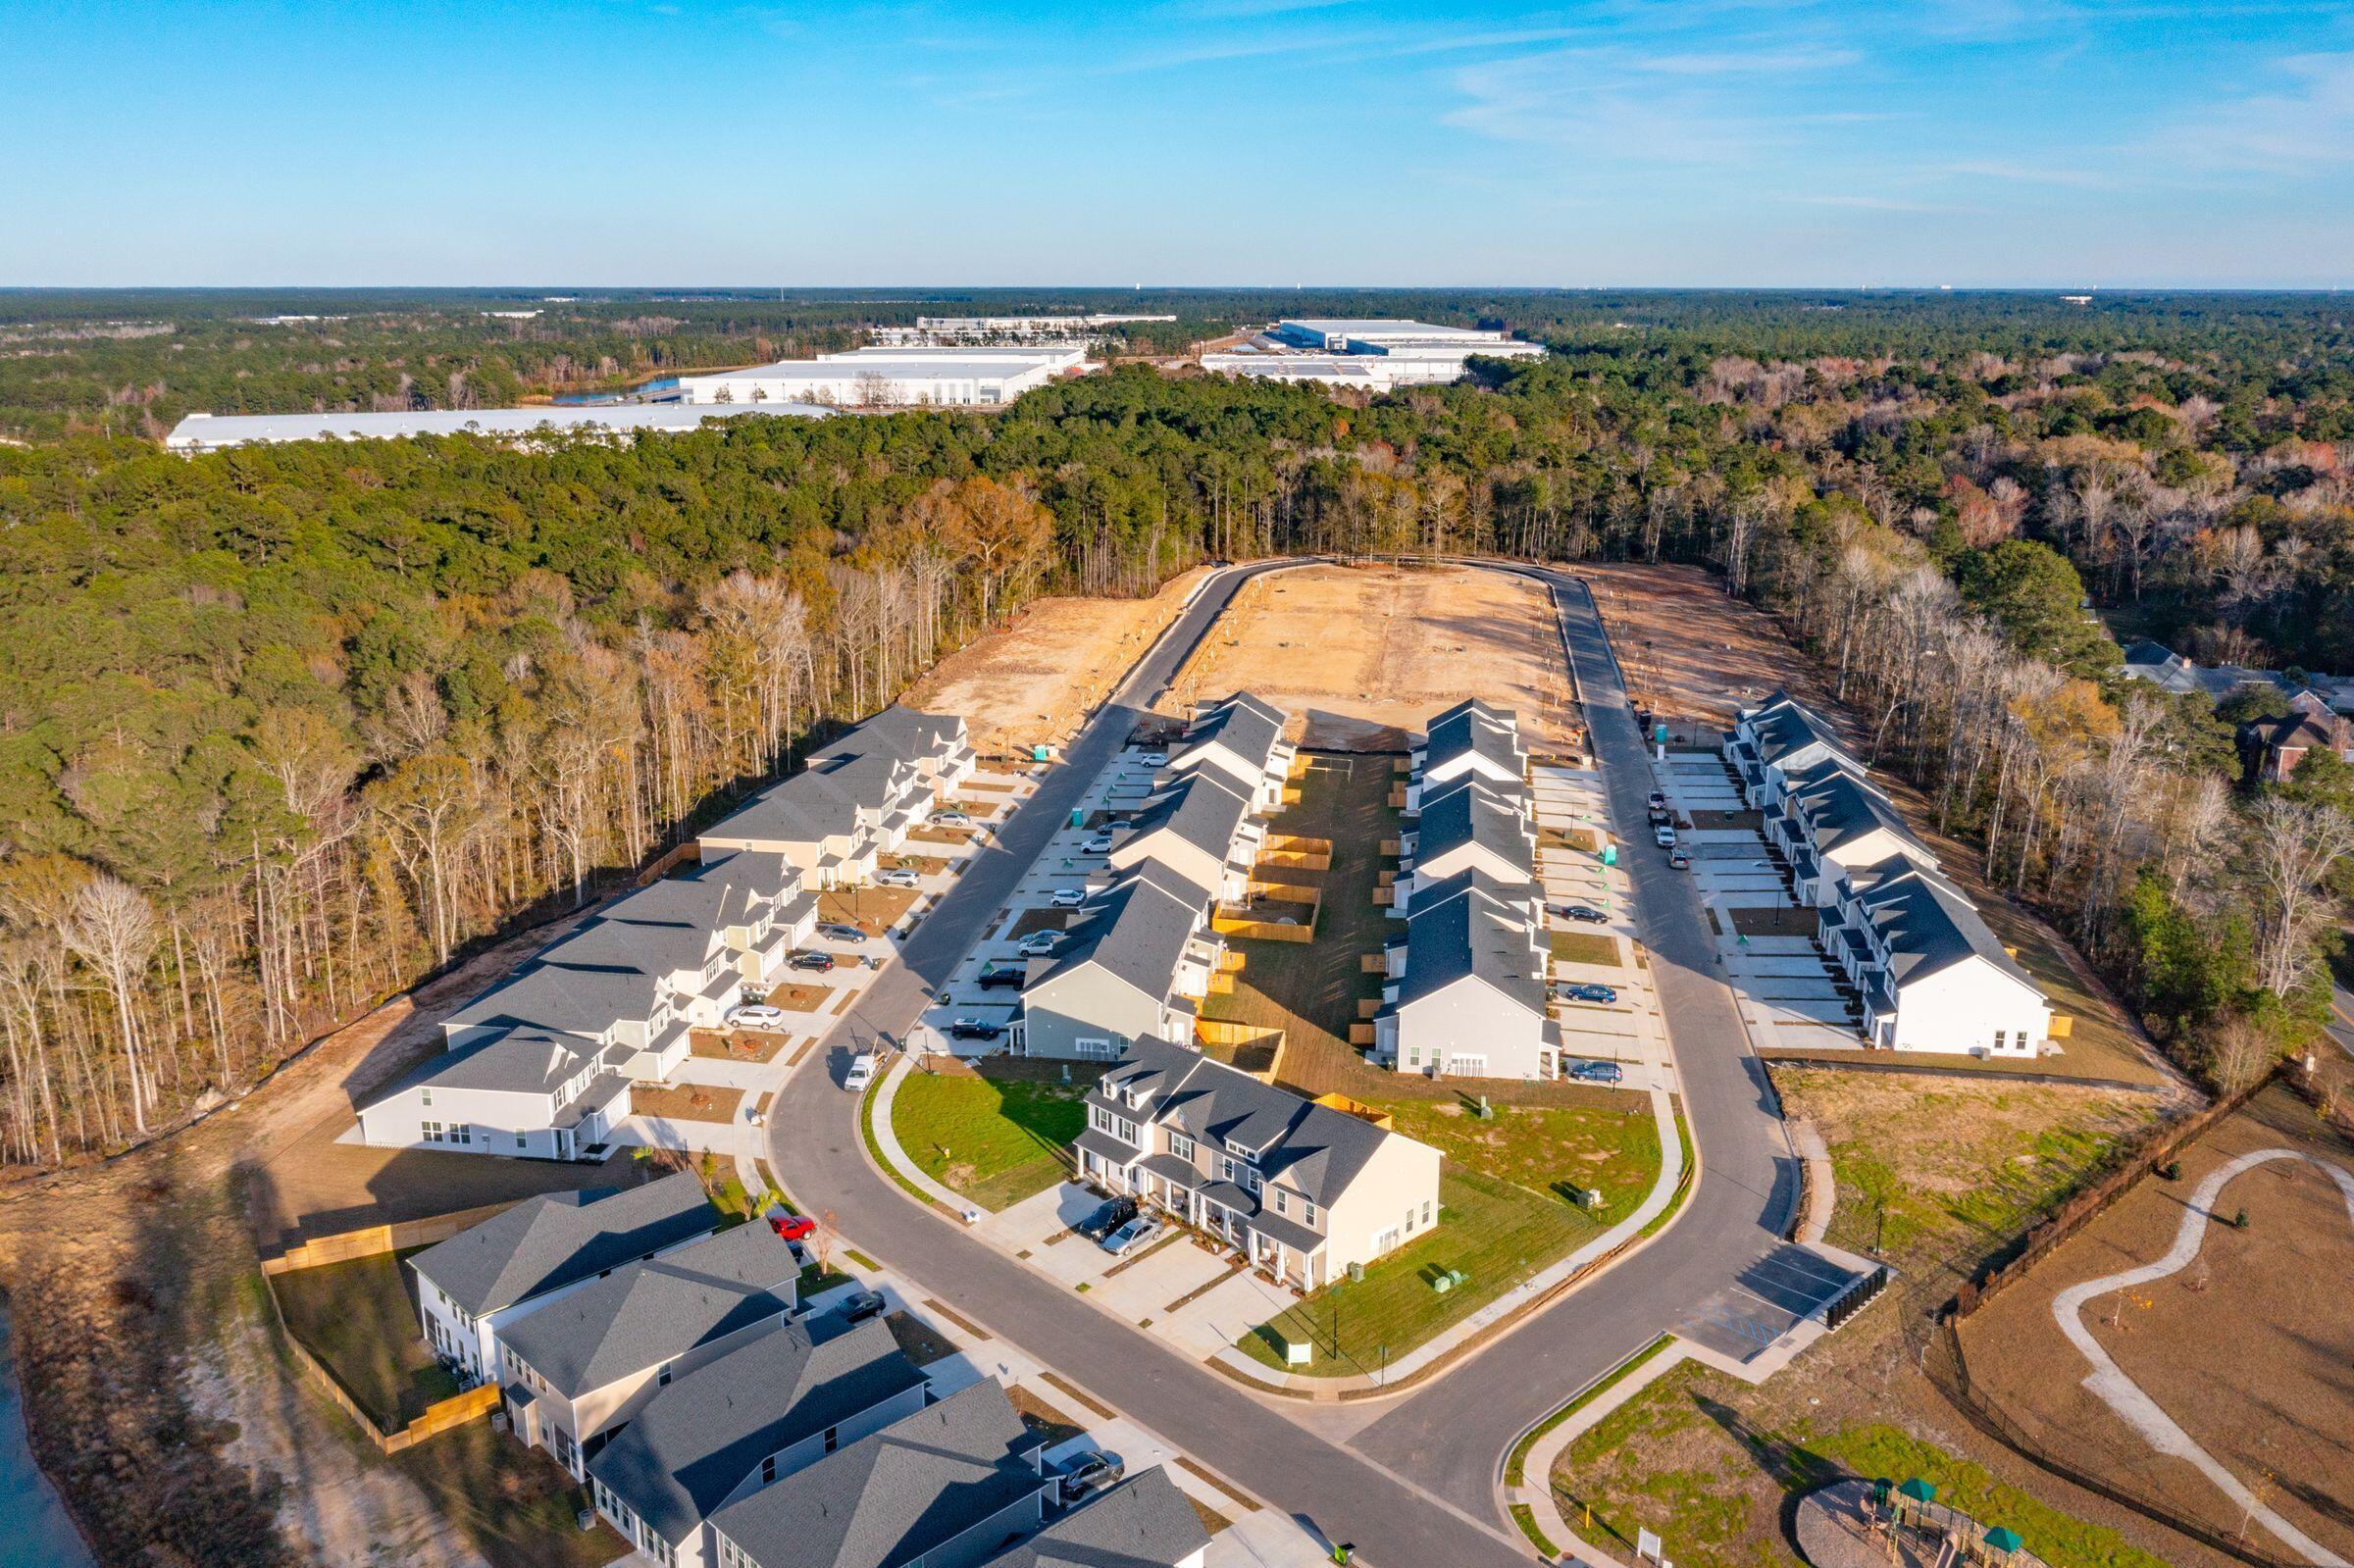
(1695, 655)
(1368, 653)
(1035, 678)
(2246, 1348)
(154, 1384)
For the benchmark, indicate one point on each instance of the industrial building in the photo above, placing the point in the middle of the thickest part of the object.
(890, 376)
(1378, 356)
(213, 432)
(936, 329)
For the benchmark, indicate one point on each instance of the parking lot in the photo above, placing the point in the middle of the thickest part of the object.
(1573, 829)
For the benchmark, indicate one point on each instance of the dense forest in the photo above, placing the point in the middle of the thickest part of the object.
(283, 727)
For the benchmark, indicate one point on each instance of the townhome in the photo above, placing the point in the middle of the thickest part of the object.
(936, 745)
(542, 1064)
(948, 1487)
(1201, 827)
(587, 1362)
(744, 1421)
(1240, 740)
(482, 1280)
(1136, 961)
(1464, 993)
(1828, 820)
(1465, 825)
(1301, 1188)
(1781, 733)
(1472, 739)
(1933, 976)
(856, 799)
(1143, 1522)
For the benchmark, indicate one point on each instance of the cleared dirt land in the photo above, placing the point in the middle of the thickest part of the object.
(1368, 653)
(2246, 1347)
(1035, 678)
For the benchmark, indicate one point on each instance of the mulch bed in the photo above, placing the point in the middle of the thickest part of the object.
(686, 1102)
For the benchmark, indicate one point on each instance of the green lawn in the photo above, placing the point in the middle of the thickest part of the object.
(513, 1504)
(990, 1139)
(1611, 1146)
(1679, 1460)
(1585, 947)
(360, 1320)
(1493, 1231)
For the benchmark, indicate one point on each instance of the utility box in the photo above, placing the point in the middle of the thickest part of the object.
(1298, 1352)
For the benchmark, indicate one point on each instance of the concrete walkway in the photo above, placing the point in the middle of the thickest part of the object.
(1407, 1368)
(2126, 1396)
(888, 1141)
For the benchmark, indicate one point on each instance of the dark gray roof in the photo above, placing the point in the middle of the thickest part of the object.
(1201, 809)
(1243, 725)
(825, 800)
(1469, 812)
(1321, 1149)
(1136, 929)
(1473, 727)
(559, 1238)
(1837, 806)
(1143, 1522)
(1469, 925)
(1927, 928)
(905, 732)
(897, 1493)
(644, 1314)
(698, 1440)
(1784, 724)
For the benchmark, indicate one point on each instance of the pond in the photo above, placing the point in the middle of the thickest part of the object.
(35, 1532)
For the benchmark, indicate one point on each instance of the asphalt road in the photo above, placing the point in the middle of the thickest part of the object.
(1419, 1486)
(2342, 1018)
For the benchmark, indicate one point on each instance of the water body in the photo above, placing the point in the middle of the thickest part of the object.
(35, 1532)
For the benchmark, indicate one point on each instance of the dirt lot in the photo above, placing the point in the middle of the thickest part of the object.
(1034, 678)
(1694, 654)
(1941, 1174)
(2246, 1347)
(686, 1102)
(1369, 653)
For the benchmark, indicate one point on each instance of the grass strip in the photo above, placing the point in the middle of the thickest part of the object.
(1684, 1179)
(874, 1146)
(1526, 1518)
(861, 1259)
(1515, 1466)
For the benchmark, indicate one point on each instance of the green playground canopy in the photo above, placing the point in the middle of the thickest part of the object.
(2002, 1537)
(1919, 1489)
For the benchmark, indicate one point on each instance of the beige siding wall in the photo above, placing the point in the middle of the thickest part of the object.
(1403, 1177)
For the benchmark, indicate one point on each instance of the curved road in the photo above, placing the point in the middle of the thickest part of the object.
(1417, 1485)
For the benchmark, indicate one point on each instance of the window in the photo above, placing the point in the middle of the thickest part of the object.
(1281, 1207)
(1409, 1220)
(1181, 1146)
(1226, 1168)
(1124, 1128)
(433, 1131)
(2000, 1037)
(833, 1439)
(425, 1096)
(1425, 1211)
(768, 1472)
(522, 1141)
(1308, 1211)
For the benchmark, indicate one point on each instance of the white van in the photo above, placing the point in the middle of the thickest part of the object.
(862, 1074)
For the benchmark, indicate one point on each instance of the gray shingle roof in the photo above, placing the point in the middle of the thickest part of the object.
(1136, 930)
(1469, 812)
(560, 1238)
(1201, 809)
(1473, 727)
(1784, 724)
(895, 1494)
(644, 1314)
(1471, 924)
(905, 732)
(1143, 1522)
(1320, 1148)
(693, 1443)
(1928, 928)
(1837, 807)
(1243, 725)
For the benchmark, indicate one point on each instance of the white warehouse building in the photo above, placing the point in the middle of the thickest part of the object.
(892, 377)
(1378, 356)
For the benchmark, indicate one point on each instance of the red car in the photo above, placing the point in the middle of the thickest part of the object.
(793, 1227)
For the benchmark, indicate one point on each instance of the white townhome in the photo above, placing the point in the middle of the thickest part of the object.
(1301, 1188)
(1201, 827)
(1463, 992)
(1783, 733)
(588, 1361)
(542, 1063)
(856, 799)
(1241, 738)
(762, 1411)
(1465, 825)
(482, 1280)
(1136, 960)
(1828, 820)
(1472, 740)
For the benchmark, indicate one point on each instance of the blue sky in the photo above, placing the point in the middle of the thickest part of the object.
(1969, 142)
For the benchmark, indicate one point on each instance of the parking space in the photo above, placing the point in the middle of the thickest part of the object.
(1765, 1300)
(1574, 837)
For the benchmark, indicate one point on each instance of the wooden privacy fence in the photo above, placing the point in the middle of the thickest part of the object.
(1244, 1036)
(344, 1246)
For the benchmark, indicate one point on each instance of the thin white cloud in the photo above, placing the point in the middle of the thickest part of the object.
(2305, 126)
(2033, 175)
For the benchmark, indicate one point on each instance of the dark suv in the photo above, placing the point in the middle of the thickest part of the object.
(993, 978)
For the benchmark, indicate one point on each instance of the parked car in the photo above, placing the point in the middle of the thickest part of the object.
(1154, 759)
(1039, 944)
(865, 1304)
(861, 1073)
(1598, 1071)
(1659, 815)
(1588, 991)
(1068, 897)
(897, 877)
(1658, 800)
(949, 819)
(1586, 913)
(841, 932)
(1679, 860)
(1088, 1473)
(755, 1015)
(1097, 843)
(1109, 1217)
(1664, 836)
(996, 978)
(1131, 1235)
(975, 1029)
(793, 1227)
(818, 963)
